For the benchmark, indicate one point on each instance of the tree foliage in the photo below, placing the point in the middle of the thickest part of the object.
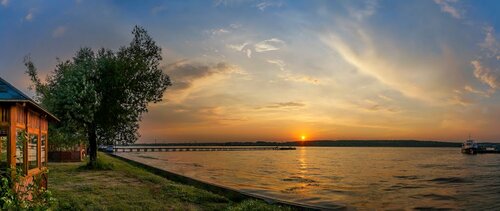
(101, 95)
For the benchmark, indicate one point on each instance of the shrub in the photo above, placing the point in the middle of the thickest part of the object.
(15, 195)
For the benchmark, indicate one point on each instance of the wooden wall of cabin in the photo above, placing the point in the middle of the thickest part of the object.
(30, 156)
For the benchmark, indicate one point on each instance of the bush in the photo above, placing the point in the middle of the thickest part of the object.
(14, 195)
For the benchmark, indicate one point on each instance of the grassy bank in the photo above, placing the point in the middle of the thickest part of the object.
(127, 187)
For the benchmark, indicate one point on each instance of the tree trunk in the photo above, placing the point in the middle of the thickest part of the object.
(93, 146)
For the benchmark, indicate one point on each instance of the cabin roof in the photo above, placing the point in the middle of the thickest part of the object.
(9, 93)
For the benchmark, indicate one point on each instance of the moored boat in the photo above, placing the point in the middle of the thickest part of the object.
(470, 147)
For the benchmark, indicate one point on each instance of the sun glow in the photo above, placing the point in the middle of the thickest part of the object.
(303, 137)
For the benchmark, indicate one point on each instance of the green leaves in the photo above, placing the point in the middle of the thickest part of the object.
(17, 195)
(104, 92)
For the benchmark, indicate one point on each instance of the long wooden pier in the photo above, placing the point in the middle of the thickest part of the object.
(188, 149)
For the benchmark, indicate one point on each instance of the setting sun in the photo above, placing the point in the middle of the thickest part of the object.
(289, 105)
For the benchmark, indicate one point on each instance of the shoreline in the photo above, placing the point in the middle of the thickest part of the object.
(230, 193)
(120, 185)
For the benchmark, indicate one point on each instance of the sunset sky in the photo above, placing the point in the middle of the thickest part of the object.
(248, 70)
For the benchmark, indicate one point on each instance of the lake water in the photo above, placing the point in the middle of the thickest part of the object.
(357, 177)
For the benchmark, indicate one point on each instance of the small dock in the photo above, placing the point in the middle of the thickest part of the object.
(191, 149)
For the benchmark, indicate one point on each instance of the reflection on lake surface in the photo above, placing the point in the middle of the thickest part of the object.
(362, 178)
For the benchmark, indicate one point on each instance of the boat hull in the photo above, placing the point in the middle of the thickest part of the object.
(479, 151)
(469, 151)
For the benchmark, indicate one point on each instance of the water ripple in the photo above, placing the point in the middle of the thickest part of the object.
(298, 179)
(434, 196)
(411, 177)
(449, 180)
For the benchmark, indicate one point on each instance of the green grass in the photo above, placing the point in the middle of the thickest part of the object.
(127, 187)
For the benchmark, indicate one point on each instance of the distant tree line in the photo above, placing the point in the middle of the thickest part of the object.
(325, 143)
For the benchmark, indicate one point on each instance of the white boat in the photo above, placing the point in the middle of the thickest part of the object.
(470, 147)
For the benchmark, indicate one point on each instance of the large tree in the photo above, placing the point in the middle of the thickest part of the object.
(102, 94)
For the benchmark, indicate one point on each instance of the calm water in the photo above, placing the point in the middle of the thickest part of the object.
(361, 178)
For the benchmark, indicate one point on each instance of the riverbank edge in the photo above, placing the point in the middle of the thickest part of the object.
(230, 193)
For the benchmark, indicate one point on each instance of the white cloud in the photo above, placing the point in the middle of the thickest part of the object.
(241, 48)
(486, 64)
(229, 2)
(290, 76)
(476, 91)
(489, 40)
(237, 47)
(269, 45)
(219, 31)
(448, 7)
(490, 44)
(279, 63)
(486, 75)
(4, 3)
(59, 31)
(413, 74)
(488, 57)
(266, 4)
(249, 53)
(263, 46)
(369, 9)
(223, 30)
(30, 15)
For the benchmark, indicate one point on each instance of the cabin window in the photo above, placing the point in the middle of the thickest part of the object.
(20, 139)
(3, 149)
(43, 147)
(33, 151)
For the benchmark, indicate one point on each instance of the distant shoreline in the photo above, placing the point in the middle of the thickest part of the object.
(323, 143)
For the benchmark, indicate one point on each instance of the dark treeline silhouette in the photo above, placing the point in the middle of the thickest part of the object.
(323, 143)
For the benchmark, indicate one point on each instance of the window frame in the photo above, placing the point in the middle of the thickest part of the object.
(44, 154)
(29, 150)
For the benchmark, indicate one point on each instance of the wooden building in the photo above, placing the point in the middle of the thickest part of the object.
(23, 133)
